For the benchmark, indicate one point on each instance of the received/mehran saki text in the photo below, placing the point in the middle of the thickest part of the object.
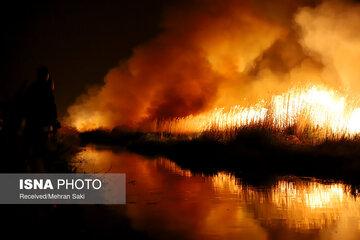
(51, 196)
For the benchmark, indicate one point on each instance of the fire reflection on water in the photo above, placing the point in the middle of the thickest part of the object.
(300, 204)
(173, 167)
(165, 199)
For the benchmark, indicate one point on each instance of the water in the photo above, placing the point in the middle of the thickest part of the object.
(166, 201)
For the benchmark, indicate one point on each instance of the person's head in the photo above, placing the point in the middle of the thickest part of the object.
(43, 73)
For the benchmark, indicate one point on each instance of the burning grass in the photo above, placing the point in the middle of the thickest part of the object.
(314, 112)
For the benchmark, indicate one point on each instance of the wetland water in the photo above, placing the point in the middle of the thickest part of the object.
(166, 201)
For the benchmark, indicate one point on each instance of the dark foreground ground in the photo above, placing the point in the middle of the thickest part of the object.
(56, 221)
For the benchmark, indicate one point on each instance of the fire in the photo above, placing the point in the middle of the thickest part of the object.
(212, 54)
(218, 119)
(84, 122)
(315, 107)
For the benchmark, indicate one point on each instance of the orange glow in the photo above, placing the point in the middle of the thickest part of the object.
(88, 123)
(163, 196)
(236, 68)
(304, 204)
(218, 119)
(318, 108)
(173, 167)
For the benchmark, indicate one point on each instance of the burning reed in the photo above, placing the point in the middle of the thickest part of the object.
(317, 110)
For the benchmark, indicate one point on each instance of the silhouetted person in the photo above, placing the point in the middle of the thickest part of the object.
(40, 112)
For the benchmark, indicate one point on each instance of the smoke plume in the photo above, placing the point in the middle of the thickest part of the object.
(214, 53)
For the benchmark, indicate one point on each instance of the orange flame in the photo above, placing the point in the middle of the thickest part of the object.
(316, 107)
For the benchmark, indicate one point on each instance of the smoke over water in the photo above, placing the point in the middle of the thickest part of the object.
(220, 53)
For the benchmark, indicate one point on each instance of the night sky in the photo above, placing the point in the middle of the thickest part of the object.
(78, 40)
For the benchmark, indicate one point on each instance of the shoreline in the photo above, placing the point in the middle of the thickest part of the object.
(253, 152)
